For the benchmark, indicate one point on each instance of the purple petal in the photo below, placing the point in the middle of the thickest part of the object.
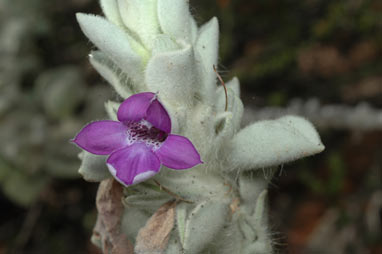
(158, 116)
(135, 107)
(133, 164)
(102, 137)
(177, 152)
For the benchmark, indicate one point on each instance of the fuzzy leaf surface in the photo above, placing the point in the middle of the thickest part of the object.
(273, 142)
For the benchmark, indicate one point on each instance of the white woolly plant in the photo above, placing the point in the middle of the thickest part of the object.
(215, 207)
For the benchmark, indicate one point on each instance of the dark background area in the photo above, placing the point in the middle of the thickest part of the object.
(279, 49)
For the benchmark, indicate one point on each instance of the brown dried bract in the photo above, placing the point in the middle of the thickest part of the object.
(235, 204)
(154, 236)
(110, 212)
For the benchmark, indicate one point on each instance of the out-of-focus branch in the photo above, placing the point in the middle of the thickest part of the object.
(359, 117)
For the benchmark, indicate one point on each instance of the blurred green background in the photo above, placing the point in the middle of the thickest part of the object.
(279, 49)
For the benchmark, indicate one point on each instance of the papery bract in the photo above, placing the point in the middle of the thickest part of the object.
(139, 142)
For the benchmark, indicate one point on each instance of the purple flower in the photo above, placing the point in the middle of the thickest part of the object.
(139, 142)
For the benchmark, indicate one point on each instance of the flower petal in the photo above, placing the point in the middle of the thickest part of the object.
(135, 107)
(157, 115)
(133, 164)
(177, 152)
(102, 137)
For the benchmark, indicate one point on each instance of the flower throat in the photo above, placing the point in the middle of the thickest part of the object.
(145, 132)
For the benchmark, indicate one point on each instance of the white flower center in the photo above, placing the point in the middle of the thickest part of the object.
(145, 132)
